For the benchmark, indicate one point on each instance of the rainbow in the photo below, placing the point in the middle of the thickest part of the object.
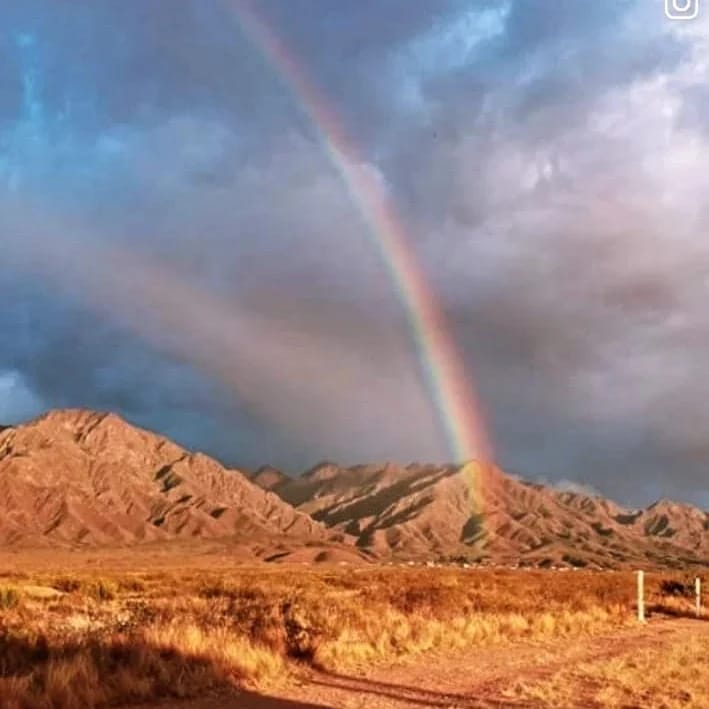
(446, 378)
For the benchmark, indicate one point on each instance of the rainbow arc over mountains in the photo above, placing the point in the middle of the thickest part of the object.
(449, 385)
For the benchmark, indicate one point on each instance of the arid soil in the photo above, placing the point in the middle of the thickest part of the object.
(162, 624)
(502, 676)
(132, 570)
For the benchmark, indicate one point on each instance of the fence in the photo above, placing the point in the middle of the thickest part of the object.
(641, 596)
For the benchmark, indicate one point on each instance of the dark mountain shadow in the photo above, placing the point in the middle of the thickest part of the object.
(375, 502)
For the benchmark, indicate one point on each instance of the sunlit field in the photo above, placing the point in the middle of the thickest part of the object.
(71, 635)
(671, 676)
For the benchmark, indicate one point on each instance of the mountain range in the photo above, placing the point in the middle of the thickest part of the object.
(76, 478)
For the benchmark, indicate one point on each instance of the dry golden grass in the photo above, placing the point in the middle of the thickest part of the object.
(676, 676)
(119, 636)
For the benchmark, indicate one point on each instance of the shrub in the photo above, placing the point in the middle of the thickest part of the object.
(132, 585)
(9, 597)
(102, 590)
(67, 584)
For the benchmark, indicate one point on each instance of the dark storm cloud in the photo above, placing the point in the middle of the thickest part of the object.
(293, 372)
(548, 163)
(572, 274)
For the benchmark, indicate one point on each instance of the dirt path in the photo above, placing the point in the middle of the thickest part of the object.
(466, 680)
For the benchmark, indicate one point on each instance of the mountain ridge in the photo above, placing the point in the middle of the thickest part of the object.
(77, 477)
(416, 511)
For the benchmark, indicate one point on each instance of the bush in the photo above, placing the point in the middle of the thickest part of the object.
(131, 585)
(673, 587)
(102, 590)
(67, 584)
(9, 598)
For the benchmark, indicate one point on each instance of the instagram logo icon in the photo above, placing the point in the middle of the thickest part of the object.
(681, 9)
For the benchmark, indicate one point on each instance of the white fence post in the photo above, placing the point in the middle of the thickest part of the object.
(641, 596)
(698, 592)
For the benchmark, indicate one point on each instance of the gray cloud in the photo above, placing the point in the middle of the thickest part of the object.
(575, 260)
(184, 251)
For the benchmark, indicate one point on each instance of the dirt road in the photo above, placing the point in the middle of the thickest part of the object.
(474, 678)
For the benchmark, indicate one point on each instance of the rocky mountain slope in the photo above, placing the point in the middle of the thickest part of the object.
(479, 513)
(268, 477)
(83, 477)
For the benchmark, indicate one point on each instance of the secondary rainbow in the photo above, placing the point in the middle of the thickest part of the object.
(449, 384)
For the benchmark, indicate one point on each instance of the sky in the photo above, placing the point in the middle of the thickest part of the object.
(179, 246)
